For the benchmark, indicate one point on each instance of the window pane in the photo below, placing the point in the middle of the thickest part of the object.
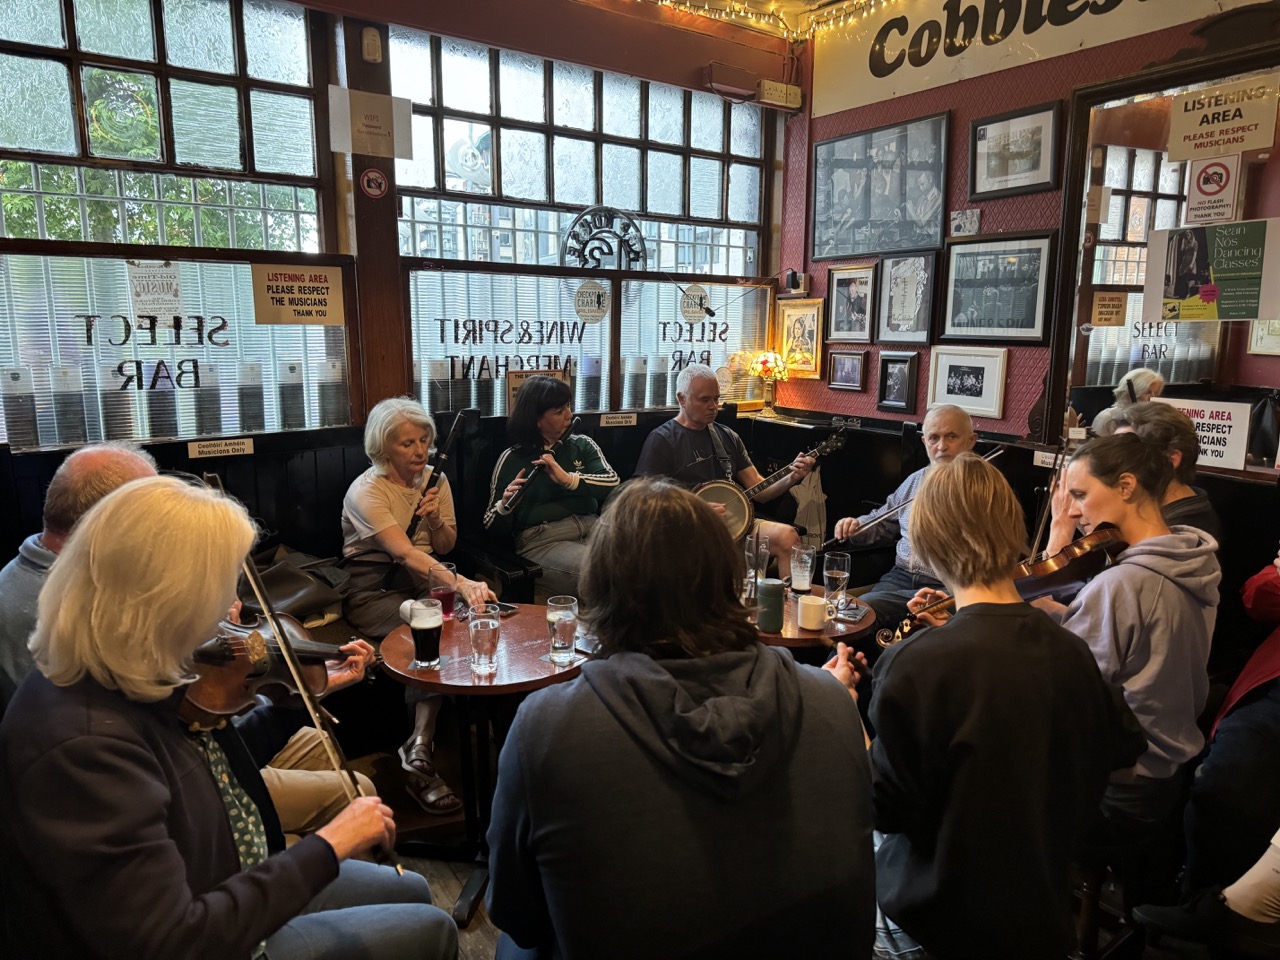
(1117, 174)
(1110, 230)
(621, 168)
(283, 133)
(666, 113)
(37, 110)
(744, 192)
(118, 28)
(666, 183)
(704, 188)
(575, 96)
(275, 42)
(206, 124)
(522, 91)
(421, 170)
(32, 21)
(524, 164)
(1170, 177)
(123, 119)
(410, 64)
(706, 123)
(467, 147)
(1166, 214)
(575, 171)
(744, 129)
(197, 34)
(465, 69)
(621, 105)
(1144, 169)
(1138, 210)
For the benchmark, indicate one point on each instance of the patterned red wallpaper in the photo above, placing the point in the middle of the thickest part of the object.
(968, 100)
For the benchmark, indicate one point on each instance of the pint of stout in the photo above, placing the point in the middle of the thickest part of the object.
(425, 620)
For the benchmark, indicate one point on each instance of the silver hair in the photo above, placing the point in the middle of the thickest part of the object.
(387, 417)
(1142, 381)
(950, 408)
(694, 371)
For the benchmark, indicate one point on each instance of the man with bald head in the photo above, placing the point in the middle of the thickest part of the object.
(948, 432)
(84, 478)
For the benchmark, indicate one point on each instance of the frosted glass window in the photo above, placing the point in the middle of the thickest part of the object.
(744, 192)
(524, 164)
(124, 121)
(32, 21)
(621, 169)
(575, 96)
(706, 122)
(1117, 171)
(465, 75)
(283, 133)
(37, 112)
(275, 42)
(666, 113)
(118, 28)
(421, 170)
(1171, 177)
(1144, 169)
(206, 124)
(575, 171)
(744, 130)
(410, 64)
(521, 87)
(467, 149)
(621, 105)
(705, 182)
(197, 34)
(666, 183)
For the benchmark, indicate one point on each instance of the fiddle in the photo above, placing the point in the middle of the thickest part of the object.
(1036, 576)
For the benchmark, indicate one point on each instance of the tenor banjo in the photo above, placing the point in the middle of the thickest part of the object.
(738, 512)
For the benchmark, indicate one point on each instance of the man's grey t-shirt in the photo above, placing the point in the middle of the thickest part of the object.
(688, 456)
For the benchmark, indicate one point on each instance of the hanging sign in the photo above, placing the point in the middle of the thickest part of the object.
(1109, 308)
(1224, 271)
(516, 378)
(1230, 118)
(693, 303)
(1221, 428)
(373, 124)
(1212, 195)
(292, 293)
(591, 301)
(154, 289)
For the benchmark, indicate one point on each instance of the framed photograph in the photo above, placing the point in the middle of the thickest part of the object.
(852, 298)
(897, 391)
(1014, 152)
(800, 337)
(997, 287)
(881, 190)
(972, 378)
(1264, 337)
(906, 298)
(846, 370)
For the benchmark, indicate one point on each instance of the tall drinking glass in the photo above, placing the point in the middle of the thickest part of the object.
(835, 576)
(756, 557)
(425, 622)
(562, 624)
(485, 625)
(444, 587)
(802, 560)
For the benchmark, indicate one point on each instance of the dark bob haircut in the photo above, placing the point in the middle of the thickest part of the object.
(535, 397)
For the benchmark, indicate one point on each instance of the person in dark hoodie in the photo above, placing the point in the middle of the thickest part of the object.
(1147, 618)
(995, 737)
(694, 793)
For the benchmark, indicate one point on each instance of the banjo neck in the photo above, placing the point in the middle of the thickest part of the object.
(831, 443)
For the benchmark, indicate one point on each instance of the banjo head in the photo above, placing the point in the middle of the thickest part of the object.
(737, 509)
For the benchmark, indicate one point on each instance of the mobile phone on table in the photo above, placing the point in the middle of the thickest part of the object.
(506, 609)
(853, 613)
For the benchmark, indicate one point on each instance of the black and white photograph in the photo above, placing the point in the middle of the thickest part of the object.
(997, 287)
(852, 298)
(881, 190)
(846, 370)
(1189, 255)
(897, 390)
(972, 378)
(966, 223)
(800, 334)
(906, 298)
(1014, 152)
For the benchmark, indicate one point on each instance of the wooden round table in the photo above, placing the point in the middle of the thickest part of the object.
(834, 632)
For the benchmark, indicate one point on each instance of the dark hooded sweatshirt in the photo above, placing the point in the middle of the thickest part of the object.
(714, 807)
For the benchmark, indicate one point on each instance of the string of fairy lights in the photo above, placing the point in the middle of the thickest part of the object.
(831, 17)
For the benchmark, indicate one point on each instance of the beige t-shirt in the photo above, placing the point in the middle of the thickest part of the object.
(373, 504)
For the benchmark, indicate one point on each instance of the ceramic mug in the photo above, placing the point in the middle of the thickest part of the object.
(813, 613)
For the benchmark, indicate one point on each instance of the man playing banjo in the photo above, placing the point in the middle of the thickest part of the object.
(694, 449)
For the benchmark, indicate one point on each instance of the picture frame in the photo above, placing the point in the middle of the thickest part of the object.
(971, 378)
(904, 309)
(846, 370)
(799, 336)
(896, 391)
(998, 288)
(881, 190)
(1016, 152)
(1264, 337)
(852, 303)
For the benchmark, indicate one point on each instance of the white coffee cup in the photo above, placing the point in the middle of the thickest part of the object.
(812, 613)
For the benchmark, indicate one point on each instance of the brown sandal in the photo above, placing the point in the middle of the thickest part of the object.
(427, 787)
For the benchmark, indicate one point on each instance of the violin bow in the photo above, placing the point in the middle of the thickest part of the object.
(1058, 458)
(319, 716)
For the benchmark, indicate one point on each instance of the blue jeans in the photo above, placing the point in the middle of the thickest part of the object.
(368, 913)
(888, 598)
(560, 548)
(891, 942)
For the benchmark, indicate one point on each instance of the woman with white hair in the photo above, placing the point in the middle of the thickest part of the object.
(1136, 386)
(389, 565)
(129, 833)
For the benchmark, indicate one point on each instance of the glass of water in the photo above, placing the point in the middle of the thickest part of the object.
(802, 559)
(756, 555)
(562, 624)
(485, 625)
(835, 575)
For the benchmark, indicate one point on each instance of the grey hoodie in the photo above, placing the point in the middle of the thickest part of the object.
(1148, 620)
